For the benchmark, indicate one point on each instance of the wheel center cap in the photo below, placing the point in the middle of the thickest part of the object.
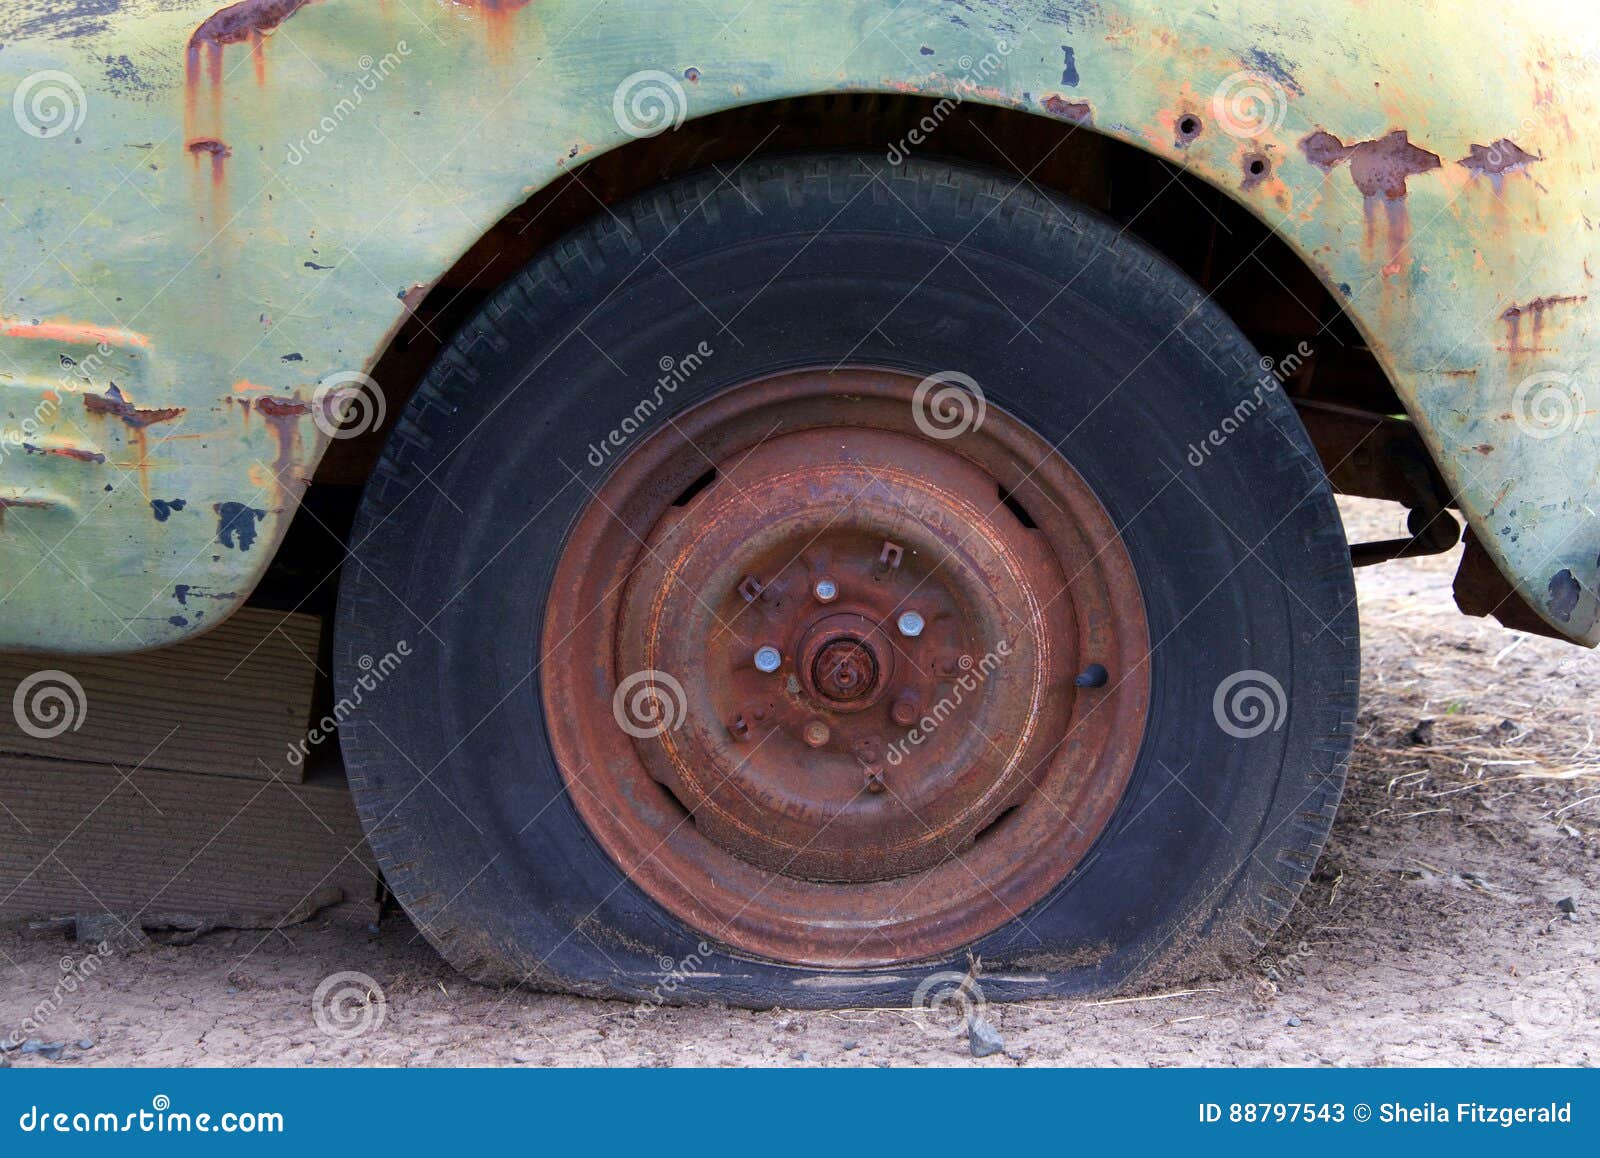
(845, 670)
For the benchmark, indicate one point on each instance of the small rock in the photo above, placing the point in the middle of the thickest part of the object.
(1567, 905)
(800, 1055)
(85, 1043)
(1293, 1023)
(983, 1039)
(850, 1045)
(49, 1050)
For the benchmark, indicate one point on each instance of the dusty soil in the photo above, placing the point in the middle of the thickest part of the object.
(1431, 933)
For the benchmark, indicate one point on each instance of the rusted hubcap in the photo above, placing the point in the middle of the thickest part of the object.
(832, 719)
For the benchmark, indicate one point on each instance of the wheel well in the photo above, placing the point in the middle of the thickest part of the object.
(1273, 296)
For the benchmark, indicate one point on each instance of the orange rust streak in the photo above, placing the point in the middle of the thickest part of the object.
(73, 333)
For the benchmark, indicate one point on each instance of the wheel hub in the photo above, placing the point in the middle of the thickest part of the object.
(917, 765)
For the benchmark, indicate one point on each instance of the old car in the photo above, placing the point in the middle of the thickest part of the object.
(809, 499)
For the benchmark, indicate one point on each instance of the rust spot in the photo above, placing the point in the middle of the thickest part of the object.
(1078, 112)
(26, 504)
(1257, 168)
(283, 416)
(240, 22)
(1501, 157)
(1379, 166)
(282, 407)
(1534, 311)
(114, 402)
(73, 333)
(497, 25)
(1484, 448)
(77, 454)
(218, 152)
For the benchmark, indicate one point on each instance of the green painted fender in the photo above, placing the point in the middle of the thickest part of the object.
(208, 219)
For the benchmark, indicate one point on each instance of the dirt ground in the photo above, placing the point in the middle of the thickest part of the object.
(1433, 932)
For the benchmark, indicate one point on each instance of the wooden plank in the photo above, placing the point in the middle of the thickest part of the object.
(229, 703)
(82, 840)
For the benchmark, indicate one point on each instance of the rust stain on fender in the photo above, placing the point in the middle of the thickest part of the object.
(243, 21)
(1379, 166)
(1078, 112)
(1380, 169)
(72, 333)
(1534, 312)
(114, 402)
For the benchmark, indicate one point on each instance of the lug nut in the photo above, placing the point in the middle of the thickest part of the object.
(910, 624)
(905, 710)
(817, 733)
(768, 659)
(826, 590)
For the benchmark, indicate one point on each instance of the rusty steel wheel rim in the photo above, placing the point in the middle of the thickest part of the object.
(957, 687)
